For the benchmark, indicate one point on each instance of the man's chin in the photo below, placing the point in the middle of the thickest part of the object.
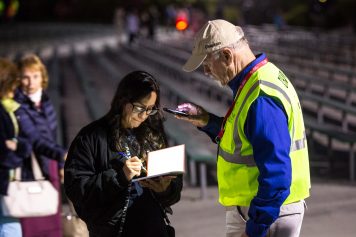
(221, 83)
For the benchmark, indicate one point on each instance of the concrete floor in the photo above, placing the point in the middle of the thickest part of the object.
(331, 212)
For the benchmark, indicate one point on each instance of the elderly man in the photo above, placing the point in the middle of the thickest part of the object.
(263, 164)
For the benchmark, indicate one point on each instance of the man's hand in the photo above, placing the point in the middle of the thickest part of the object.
(244, 234)
(158, 185)
(197, 115)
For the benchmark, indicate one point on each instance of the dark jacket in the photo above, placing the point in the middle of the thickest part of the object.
(40, 127)
(10, 159)
(98, 191)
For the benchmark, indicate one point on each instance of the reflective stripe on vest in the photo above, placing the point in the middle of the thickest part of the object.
(249, 160)
(236, 169)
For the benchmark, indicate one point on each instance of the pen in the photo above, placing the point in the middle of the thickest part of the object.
(142, 164)
(143, 168)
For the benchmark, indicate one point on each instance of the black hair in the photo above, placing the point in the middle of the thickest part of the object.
(132, 88)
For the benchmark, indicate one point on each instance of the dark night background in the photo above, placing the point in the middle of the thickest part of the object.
(326, 14)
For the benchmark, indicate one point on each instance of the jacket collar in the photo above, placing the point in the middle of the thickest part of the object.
(24, 99)
(234, 84)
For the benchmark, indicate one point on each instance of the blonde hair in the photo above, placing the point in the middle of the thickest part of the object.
(8, 77)
(33, 62)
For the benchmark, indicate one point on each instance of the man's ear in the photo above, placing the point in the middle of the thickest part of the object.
(227, 56)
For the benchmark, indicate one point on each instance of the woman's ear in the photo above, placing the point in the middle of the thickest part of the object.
(127, 107)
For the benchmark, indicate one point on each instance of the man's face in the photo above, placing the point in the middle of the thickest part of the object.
(215, 67)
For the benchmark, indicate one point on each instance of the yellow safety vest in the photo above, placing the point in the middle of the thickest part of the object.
(236, 167)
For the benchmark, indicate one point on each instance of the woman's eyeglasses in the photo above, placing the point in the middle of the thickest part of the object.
(140, 109)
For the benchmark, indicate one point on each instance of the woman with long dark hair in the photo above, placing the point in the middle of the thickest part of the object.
(108, 153)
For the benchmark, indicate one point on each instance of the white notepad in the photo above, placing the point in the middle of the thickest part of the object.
(168, 161)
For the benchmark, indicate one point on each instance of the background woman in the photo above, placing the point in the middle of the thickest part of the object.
(13, 148)
(38, 121)
(108, 153)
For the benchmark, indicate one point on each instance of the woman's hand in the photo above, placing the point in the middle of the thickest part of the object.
(61, 171)
(197, 114)
(65, 156)
(61, 175)
(11, 145)
(132, 167)
(159, 184)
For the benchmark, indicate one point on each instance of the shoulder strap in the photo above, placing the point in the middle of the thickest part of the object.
(37, 173)
(127, 201)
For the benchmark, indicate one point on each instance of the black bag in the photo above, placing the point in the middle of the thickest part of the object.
(170, 229)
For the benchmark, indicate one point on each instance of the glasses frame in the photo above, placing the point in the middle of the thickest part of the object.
(138, 109)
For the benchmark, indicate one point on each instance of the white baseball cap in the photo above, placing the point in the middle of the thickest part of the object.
(213, 36)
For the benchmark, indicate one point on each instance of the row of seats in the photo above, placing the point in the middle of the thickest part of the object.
(324, 110)
(164, 59)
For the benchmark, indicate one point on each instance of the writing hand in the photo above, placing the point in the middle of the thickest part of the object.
(158, 185)
(197, 115)
(132, 167)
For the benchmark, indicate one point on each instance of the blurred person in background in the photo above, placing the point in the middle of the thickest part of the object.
(119, 19)
(132, 25)
(38, 121)
(108, 153)
(149, 20)
(13, 148)
(263, 164)
(278, 20)
(170, 15)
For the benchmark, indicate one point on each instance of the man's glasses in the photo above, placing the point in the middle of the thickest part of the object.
(140, 109)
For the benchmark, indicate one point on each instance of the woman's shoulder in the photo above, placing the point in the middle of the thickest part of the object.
(20, 97)
(24, 101)
(93, 136)
(2, 109)
(97, 128)
(4, 116)
(46, 100)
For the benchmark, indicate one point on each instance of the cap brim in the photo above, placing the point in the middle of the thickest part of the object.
(194, 62)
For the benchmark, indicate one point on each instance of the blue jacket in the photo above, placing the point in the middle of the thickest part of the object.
(267, 129)
(40, 127)
(10, 159)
